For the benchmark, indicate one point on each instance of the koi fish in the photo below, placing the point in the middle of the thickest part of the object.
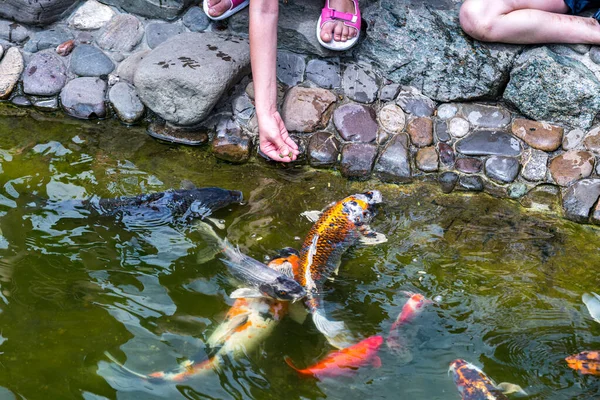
(263, 281)
(340, 226)
(592, 302)
(413, 307)
(473, 384)
(345, 361)
(246, 325)
(587, 362)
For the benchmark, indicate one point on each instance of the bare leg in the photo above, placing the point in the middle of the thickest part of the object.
(526, 22)
(336, 29)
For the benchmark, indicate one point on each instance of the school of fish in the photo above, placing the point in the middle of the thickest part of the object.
(269, 291)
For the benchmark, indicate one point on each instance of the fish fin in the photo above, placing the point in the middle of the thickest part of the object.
(592, 302)
(285, 269)
(213, 242)
(288, 361)
(312, 215)
(376, 362)
(297, 313)
(227, 327)
(371, 240)
(246, 293)
(335, 331)
(509, 388)
(216, 222)
(124, 368)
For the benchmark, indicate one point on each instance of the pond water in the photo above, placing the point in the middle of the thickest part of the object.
(73, 287)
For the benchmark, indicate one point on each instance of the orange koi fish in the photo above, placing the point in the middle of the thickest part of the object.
(345, 361)
(247, 324)
(340, 226)
(411, 309)
(586, 362)
(473, 384)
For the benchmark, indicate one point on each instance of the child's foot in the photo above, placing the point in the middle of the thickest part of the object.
(216, 8)
(337, 29)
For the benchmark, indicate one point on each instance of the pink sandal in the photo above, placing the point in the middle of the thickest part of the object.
(328, 14)
(236, 5)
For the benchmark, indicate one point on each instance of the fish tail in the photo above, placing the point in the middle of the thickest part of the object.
(289, 362)
(124, 368)
(327, 327)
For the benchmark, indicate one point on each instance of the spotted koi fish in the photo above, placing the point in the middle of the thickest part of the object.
(345, 361)
(246, 325)
(586, 362)
(339, 227)
(473, 384)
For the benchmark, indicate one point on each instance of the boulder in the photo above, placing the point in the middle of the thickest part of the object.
(307, 109)
(546, 86)
(45, 74)
(183, 78)
(84, 98)
(40, 12)
(421, 44)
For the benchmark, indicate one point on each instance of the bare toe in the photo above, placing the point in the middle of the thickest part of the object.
(327, 31)
(337, 32)
(218, 7)
(345, 33)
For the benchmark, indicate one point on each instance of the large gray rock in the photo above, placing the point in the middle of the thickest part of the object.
(157, 32)
(45, 74)
(84, 98)
(421, 44)
(122, 33)
(39, 12)
(183, 78)
(162, 9)
(549, 87)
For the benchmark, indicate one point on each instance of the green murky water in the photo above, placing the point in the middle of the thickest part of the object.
(72, 287)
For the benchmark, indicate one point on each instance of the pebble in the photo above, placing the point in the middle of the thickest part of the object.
(571, 166)
(122, 33)
(539, 135)
(243, 109)
(47, 39)
(447, 111)
(446, 154)
(11, 67)
(595, 54)
(84, 98)
(158, 32)
(394, 163)
(389, 92)
(579, 199)
(534, 165)
(323, 150)
(230, 143)
(46, 103)
(517, 190)
(91, 15)
(592, 140)
(64, 49)
(486, 116)
(458, 127)
(45, 74)
(392, 119)
(427, 159)
(307, 109)
(441, 131)
(126, 102)
(357, 160)
(177, 134)
(356, 122)
(325, 73)
(469, 165)
(448, 181)
(290, 68)
(502, 169)
(471, 183)
(21, 101)
(573, 139)
(489, 143)
(13, 32)
(360, 83)
(421, 131)
(87, 60)
(414, 102)
(196, 20)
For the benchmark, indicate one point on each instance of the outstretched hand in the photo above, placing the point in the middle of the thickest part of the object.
(275, 141)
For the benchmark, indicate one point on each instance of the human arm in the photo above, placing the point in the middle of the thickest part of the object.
(274, 139)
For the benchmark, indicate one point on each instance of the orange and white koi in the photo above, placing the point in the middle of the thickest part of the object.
(339, 227)
(345, 361)
(413, 307)
(586, 362)
(247, 324)
(473, 384)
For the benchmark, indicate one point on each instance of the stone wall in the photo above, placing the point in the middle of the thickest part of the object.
(416, 99)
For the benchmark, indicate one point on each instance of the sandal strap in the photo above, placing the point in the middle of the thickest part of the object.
(329, 14)
(235, 3)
